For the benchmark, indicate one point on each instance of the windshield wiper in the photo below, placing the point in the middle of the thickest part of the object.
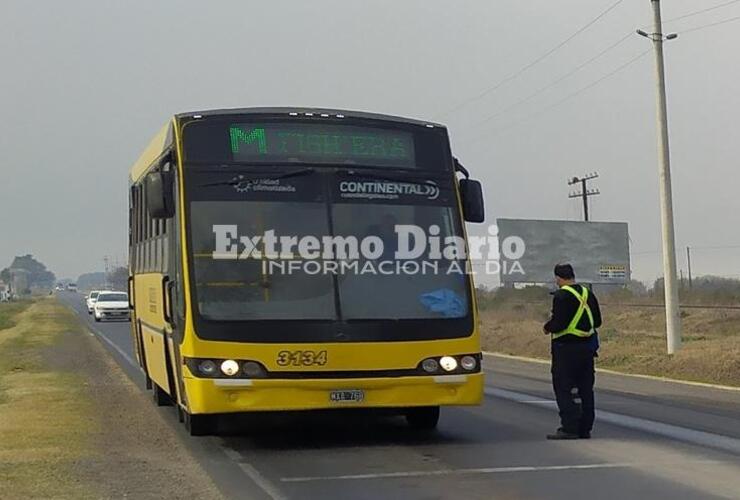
(241, 178)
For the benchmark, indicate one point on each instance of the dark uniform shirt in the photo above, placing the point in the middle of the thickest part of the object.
(564, 308)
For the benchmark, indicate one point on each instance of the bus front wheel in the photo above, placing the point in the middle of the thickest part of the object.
(424, 418)
(199, 425)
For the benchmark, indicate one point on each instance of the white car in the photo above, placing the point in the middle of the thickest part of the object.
(90, 300)
(111, 305)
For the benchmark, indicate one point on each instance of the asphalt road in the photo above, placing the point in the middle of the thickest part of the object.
(653, 439)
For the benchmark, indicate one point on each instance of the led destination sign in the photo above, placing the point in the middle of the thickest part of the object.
(321, 144)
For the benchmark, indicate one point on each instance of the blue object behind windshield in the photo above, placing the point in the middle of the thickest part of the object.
(444, 301)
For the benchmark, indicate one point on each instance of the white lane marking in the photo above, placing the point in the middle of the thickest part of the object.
(258, 478)
(486, 470)
(676, 432)
(621, 374)
(95, 332)
(120, 351)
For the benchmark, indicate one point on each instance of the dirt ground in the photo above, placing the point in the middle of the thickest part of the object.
(632, 340)
(73, 426)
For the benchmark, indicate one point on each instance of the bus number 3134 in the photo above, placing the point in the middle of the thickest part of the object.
(301, 358)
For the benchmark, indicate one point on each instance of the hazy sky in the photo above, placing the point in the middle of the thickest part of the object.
(85, 84)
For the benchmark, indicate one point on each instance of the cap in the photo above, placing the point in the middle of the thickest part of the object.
(565, 271)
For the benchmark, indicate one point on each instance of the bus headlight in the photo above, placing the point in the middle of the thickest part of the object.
(448, 363)
(468, 363)
(430, 365)
(230, 367)
(207, 367)
(252, 369)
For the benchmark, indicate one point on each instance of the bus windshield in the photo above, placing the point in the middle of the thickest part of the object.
(272, 247)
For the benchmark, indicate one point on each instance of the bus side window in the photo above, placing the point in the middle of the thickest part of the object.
(137, 229)
(140, 246)
(130, 216)
(146, 226)
(131, 226)
(165, 247)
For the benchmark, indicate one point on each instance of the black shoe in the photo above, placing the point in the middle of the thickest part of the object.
(584, 435)
(561, 434)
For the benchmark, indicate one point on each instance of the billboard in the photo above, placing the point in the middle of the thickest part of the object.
(598, 251)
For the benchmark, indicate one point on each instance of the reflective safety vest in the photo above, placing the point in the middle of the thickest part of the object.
(572, 328)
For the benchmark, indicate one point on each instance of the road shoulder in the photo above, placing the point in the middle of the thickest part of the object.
(72, 425)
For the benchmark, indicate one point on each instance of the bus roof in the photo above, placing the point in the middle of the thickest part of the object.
(158, 144)
(302, 112)
(161, 141)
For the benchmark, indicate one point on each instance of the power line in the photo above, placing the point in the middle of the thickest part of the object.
(536, 61)
(555, 82)
(710, 25)
(702, 11)
(714, 247)
(720, 247)
(572, 95)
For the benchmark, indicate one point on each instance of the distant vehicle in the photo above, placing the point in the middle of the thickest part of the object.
(111, 305)
(90, 300)
(60, 287)
(71, 287)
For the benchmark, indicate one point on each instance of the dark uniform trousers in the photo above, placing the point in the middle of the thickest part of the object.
(573, 367)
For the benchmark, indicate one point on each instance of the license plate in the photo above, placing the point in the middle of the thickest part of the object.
(347, 396)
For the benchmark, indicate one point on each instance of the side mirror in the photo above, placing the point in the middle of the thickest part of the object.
(471, 194)
(159, 200)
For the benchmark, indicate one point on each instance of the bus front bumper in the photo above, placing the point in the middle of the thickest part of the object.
(245, 395)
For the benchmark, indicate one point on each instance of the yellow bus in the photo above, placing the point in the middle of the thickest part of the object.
(303, 259)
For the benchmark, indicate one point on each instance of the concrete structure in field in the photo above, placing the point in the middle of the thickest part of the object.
(19, 283)
(598, 251)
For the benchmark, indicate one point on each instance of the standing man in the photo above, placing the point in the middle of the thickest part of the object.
(575, 316)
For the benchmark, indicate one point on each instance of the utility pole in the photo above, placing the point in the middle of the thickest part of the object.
(585, 192)
(688, 260)
(673, 321)
(106, 261)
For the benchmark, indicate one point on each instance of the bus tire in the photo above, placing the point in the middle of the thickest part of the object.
(424, 418)
(199, 425)
(161, 398)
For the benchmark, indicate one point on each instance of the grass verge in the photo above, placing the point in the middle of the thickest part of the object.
(10, 310)
(43, 424)
(632, 340)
